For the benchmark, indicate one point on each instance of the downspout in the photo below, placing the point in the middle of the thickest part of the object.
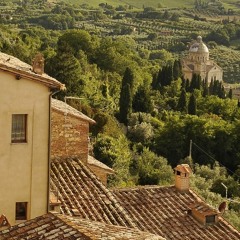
(49, 144)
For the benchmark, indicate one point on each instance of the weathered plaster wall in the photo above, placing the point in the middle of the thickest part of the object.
(69, 136)
(24, 166)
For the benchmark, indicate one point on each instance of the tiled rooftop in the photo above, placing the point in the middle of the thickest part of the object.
(83, 195)
(65, 108)
(16, 66)
(98, 230)
(163, 211)
(58, 226)
(46, 227)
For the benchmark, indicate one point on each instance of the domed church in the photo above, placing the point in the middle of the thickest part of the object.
(197, 61)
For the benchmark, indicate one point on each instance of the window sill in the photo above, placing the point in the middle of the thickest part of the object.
(20, 221)
(18, 143)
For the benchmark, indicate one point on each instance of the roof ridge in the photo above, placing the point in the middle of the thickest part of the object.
(139, 187)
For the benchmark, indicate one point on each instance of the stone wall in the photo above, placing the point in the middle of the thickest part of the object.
(69, 136)
(100, 173)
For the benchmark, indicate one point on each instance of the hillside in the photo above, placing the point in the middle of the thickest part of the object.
(150, 3)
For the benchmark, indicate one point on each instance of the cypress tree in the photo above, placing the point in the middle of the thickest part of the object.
(169, 74)
(205, 88)
(177, 70)
(187, 85)
(165, 76)
(142, 101)
(221, 90)
(211, 90)
(230, 93)
(128, 78)
(192, 105)
(198, 82)
(155, 83)
(125, 101)
(162, 77)
(216, 87)
(182, 102)
(125, 104)
(183, 85)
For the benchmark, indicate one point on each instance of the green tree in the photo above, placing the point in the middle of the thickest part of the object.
(205, 88)
(76, 40)
(192, 105)
(115, 152)
(230, 93)
(177, 70)
(182, 102)
(151, 169)
(66, 68)
(219, 36)
(142, 101)
(125, 104)
(125, 101)
(195, 82)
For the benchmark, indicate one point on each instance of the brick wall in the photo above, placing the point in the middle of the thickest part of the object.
(69, 136)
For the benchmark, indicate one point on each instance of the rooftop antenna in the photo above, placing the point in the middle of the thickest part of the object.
(226, 188)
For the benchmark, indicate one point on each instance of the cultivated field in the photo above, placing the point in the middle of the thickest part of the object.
(150, 3)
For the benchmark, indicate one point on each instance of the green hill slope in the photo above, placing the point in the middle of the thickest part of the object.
(138, 3)
(149, 3)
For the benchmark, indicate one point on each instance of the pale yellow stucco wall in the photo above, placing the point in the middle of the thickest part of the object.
(23, 166)
(215, 73)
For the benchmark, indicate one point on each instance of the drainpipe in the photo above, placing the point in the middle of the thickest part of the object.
(49, 143)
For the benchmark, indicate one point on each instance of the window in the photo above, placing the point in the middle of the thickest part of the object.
(19, 128)
(210, 219)
(21, 211)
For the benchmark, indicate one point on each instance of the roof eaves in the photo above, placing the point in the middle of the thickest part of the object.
(48, 81)
(63, 107)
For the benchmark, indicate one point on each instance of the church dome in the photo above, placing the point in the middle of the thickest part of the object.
(199, 46)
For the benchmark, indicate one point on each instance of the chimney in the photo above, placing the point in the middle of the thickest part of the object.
(182, 173)
(38, 64)
(54, 204)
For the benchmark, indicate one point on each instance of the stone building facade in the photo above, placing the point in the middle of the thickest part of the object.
(69, 133)
(198, 62)
(70, 138)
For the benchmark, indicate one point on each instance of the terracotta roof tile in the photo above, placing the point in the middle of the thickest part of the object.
(164, 211)
(58, 226)
(65, 108)
(79, 189)
(46, 227)
(98, 230)
(16, 66)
